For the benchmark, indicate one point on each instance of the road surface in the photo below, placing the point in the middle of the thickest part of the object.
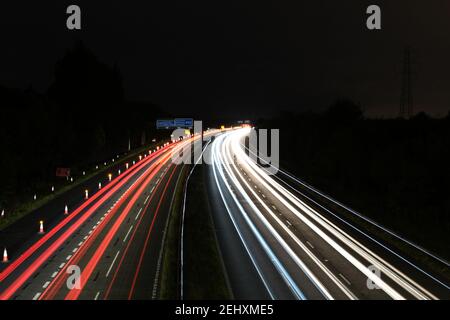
(113, 240)
(297, 249)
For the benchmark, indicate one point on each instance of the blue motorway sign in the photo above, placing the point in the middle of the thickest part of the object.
(164, 124)
(187, 123)
(184, 122)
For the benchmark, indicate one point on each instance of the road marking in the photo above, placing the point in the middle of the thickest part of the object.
(274, 208)
(110, 267)
(74, 250)
(263, 196)
(62, 265)
(85, 237)
(54, 274)
(68, 257)
(146, 199)
(138, 214)
(46, 285)
(126, 236)
(289, 223)
(344, 278)
(152, 189)
(96, 296)
(80, 243)
(309, 244)
(36, 296)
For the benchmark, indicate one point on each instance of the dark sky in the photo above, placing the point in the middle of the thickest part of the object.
(236, 56)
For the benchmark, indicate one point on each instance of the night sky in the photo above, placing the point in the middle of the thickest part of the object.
(255, 58)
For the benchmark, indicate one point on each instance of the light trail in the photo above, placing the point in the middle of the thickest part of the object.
(227, 149)
(107, 192)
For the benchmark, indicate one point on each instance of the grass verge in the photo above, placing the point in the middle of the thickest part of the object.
(205, 276)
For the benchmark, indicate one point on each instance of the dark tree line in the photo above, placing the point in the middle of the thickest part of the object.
(395, 171)
(82, 119)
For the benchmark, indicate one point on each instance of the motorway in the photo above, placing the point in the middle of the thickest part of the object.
(114, 239)
(293, 248)
(276, 243)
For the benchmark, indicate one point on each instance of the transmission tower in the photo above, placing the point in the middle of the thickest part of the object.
(406, 102)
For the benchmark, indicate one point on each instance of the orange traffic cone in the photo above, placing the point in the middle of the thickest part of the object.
(5, 256)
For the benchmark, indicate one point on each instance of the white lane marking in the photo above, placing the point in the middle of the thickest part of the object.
(289, 223)
(54, 274)
(36, 296)
(68, 257)
(46, 285)
(112, 263)
(80, 243)
(74, 250)
(96, 296)
(62, 265)
(309, 244)
(137, 216)
(274, 208)
(146, 199)
(263, 196)
(126, 236)
(152, 189)
(85, 238)
(344, 278)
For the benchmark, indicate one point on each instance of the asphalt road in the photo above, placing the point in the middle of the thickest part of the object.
(114, 239)
(296, 248)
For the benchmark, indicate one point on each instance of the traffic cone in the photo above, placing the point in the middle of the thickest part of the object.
(41, 227)
(66, 209)
(5, 256)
